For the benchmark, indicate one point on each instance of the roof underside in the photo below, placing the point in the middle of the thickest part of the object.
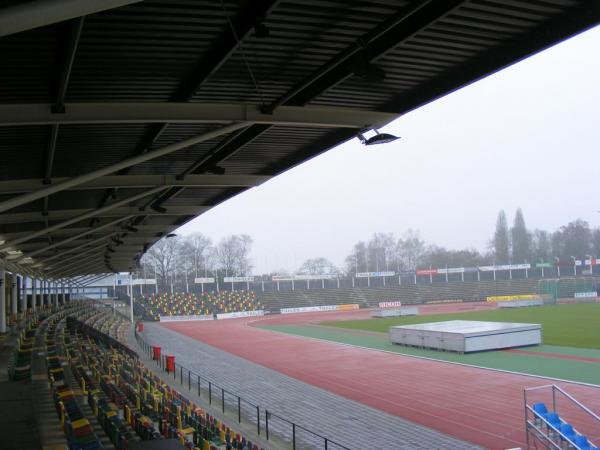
(280, 69)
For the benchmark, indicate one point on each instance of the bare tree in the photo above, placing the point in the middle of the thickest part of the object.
(233, 255)
(318, 266)
(162, 257)
(196, 249)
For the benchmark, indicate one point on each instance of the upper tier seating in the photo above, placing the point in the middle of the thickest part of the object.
(207, 303)
(407, 293)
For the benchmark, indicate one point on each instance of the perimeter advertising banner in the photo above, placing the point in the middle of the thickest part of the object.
(237, 314)
(204, 280)
(137, 282)
(302, 309)
(508, 298)
(427, 271)
(301, 277)
(450, 270)
(502, 267)
(374, 274)
(238, 279)
(184, 318)
(393, 304)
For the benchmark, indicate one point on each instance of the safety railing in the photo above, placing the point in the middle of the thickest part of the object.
(545, 431)
(282, 432)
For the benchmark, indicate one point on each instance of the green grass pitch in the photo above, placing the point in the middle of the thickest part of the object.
(565, 325)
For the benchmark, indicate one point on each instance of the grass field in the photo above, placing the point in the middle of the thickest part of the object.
(563, 325)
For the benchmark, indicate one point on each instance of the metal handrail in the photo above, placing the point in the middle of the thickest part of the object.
(162, 363)
(554, 388)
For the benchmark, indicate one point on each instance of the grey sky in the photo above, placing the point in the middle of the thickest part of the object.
(526, 136)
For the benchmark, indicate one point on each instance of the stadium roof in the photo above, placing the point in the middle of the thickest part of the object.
(121, 120)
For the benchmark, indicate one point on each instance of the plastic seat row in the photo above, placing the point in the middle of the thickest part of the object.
(150, 406)
(77, 428)
(561, 430)
(19, 365)
(206, 303)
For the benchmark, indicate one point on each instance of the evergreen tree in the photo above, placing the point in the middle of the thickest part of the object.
(501, 240)
(520, 239)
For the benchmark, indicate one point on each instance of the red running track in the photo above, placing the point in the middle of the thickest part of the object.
(478, 405)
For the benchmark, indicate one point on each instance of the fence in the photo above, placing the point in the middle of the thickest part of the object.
(280, 431)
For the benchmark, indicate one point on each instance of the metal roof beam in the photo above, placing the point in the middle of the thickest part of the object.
(30, 15)
(78, 218)
(85, 178)
(98, 250)
(143, 230)
(101, 240)
(374, 44)
(77, 267)
(236, 32)
(576, 20)
(115, 212)
(77, 236)
(140, 182)
(210, 113)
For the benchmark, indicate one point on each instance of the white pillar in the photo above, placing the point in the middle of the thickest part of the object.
(13, 296)
(34, 294)
(2, 303)
(131, 298)
(23, 293)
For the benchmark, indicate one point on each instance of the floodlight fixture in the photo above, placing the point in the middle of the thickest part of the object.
(378, 138)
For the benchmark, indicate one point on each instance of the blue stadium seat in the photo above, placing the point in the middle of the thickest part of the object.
(540, 408)
(582, 443)
(554, 420)
(567, 431)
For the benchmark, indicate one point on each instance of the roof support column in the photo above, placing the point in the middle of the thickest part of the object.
(2, 302)
(14, 311)
(23, 295)
(34, 294)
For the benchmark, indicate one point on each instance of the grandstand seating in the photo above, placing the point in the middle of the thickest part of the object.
(128, 401)
(407, 293)
(207, 303)
(19, 366)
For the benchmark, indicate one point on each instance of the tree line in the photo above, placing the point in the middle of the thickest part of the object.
(516, 244)
(196, 255)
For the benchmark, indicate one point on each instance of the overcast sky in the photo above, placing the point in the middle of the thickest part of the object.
(525, 137)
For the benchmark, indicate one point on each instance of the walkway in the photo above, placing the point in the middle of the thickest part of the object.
(348, 422)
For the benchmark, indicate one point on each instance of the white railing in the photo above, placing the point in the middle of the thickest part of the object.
(534, 423)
